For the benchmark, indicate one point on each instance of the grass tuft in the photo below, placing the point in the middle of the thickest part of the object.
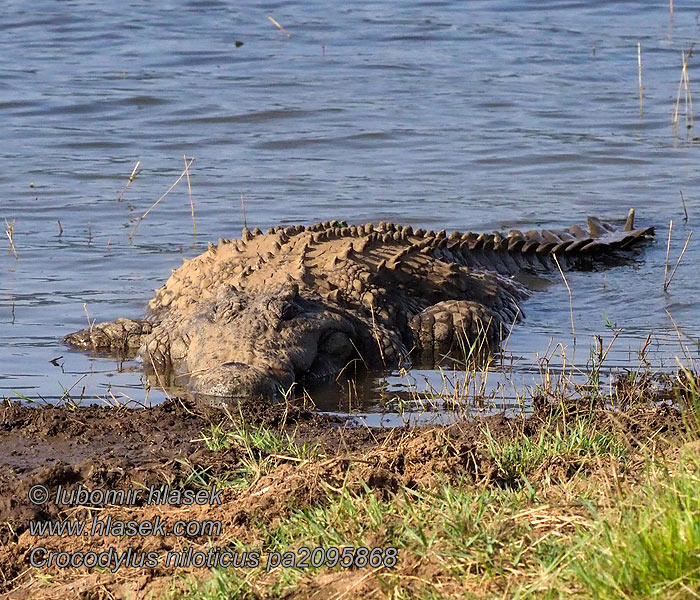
(649, 547)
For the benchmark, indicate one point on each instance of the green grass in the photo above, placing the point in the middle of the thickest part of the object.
(589, 534)
(256, 440)
(574, 442)
(647, 546)
(466, 534)
(651, 547)
(466, 530)
(260, 448)
(225, 584)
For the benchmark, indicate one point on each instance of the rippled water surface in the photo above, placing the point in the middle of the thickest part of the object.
(457, 115)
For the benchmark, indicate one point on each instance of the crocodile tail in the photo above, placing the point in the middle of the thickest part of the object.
(517, 250)
(600, 237)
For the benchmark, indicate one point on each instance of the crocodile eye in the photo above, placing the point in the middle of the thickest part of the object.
(287, 311)
(282, 311)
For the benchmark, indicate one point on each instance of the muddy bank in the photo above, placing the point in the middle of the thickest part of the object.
(259, 483)
(107, 447)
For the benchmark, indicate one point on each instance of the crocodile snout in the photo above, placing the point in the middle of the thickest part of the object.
(239, 380)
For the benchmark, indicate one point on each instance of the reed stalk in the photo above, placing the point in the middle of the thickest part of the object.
(9, 232)
(668, 252)
(639, 71)
(684, 86)
(134, 174)
(571, 299)
(685, 210)
(282, 29)
(189, 189)
(170, 189)
(678, 262)
(245, 220)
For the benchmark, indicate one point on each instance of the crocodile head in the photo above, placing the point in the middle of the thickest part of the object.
(247, 344)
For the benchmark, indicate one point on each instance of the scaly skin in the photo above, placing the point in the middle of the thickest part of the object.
(251, 317)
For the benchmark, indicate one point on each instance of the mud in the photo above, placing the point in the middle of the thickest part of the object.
(114, 448)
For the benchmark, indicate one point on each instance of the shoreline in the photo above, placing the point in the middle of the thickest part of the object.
(287, 482)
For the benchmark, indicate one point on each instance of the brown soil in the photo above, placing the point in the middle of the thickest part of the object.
(101, 448)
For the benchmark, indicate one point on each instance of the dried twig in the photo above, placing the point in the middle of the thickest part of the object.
(685, 210)
(668, 252)
(688, 97)
(245, 220)
(678, 262)
(91, 325)
(375, 332)
(133, 176)
(571, 300)
(170, 189)
(189, 189)
(684, 85)
(680, 335)
(674, 119)
(9, 232)
(639, 68)
(282, 29)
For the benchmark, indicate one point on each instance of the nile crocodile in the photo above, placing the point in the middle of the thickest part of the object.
(253, 316)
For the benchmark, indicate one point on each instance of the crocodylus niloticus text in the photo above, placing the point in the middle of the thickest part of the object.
(251, 316)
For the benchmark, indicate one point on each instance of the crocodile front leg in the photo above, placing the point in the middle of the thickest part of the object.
(458, 328)
(122, 336)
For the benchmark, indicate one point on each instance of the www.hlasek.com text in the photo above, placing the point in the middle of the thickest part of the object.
(110, 526)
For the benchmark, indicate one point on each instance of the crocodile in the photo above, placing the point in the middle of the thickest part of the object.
(253, 316)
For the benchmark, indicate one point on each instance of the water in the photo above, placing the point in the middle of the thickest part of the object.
(479, 116)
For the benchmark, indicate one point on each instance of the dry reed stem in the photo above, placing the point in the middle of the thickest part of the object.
(639, 69)
(91, 324)
(245, 220)
(134, 174)
(604, 354)
(679, 334)
(684, 85)
(170, 189)
(571, 301)
(668, 251)
(157, 374)
(189, 189)
(9, 232)
(688, 97)
(674, 119)
(66, 393)
(510, 331)
(678, 262)
(282, 29)
(685, 210)
(375, 332)
(670, 8)
(680, 88)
